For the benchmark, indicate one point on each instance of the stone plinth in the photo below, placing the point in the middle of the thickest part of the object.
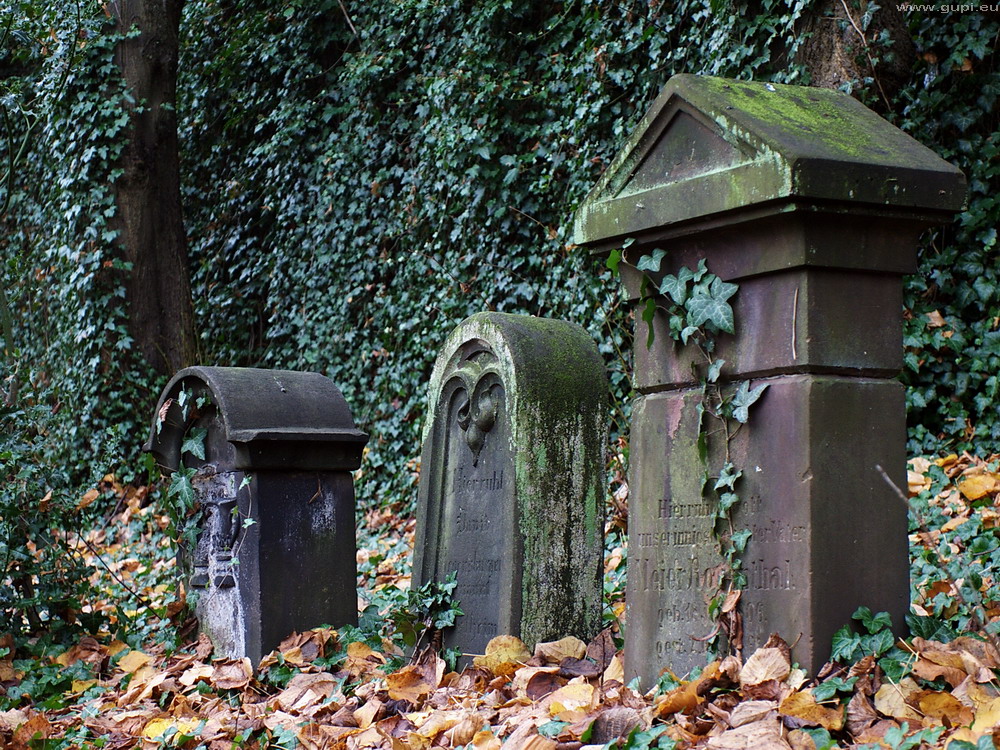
(275, 551)
(813, 205)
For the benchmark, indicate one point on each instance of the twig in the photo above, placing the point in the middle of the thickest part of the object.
(347, 16)
(142, 600)
(868, 54)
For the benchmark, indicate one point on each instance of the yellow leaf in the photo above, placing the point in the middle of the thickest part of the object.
(484, 740)
(573, 696)
(155, 728)
(945, 707)
(133, 661)
(987, 717)
(504, 649)
(890, 700)
(81, 685)
(977, 486)
(565, 648)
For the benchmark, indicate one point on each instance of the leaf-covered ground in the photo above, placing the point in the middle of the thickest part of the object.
(132, 685)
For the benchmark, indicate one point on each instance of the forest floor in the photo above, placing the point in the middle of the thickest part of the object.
(138, 684)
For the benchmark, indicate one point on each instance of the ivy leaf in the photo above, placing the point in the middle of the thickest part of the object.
(873, 623)
(613, 260)
(194, 443)
(686, 334)
(713, 369)
(648, 311)
(704, 308)
(675, 287)
(181, 487)
(728, 476)
(844, 644)
(651, 262)
(744, 399)
(740, 539)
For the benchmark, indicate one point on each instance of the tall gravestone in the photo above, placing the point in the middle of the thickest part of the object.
(273, 452)
(512, 479)
(813, 205)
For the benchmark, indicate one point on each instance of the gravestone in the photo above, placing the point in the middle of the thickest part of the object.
(275, 551)
(813, 205)
(512, 479)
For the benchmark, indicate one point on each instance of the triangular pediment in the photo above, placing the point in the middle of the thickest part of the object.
(709, 147)
(680, 147)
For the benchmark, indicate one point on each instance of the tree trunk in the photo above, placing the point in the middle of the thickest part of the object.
(841, 48)
(149, 220)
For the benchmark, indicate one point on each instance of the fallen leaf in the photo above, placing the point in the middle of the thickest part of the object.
(156, 728)
(891, 700)
(232, 674)
(802, 706)
(749, 711)
(765, 664)
(755, 736)
(410, 684)
(133, 661)
(503, 650)
(946, 709)
(977, 486)
(554, 652)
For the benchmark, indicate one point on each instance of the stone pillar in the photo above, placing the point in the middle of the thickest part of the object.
(275, 551)
(813, 205)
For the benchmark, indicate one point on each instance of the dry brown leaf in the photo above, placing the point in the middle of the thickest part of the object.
(765, 664)
(758, 735)
(572, 697)
(891, 700)
(615, 670)
(466, 729)
(233, 674)
(484, 740)
(554, 652)
(11, 720)
(503, 650)
(25, 735)
(369, 713)
(860, 714)
(802, 706)
(411, 683)
(688, 695)
(987, 716)
(305, 690)
(750, 711)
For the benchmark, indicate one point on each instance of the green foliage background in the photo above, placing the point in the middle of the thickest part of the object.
(354, 186)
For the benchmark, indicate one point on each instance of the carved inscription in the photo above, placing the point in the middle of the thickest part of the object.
(478, 508)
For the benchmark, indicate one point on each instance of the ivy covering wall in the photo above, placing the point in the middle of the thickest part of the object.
(360, 177)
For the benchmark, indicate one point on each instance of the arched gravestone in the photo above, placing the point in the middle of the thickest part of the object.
(812, 204)
(279, 449)
(512, 479)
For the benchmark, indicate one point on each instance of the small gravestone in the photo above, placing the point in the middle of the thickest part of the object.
(272, 453)
(813, 205)
(512, 479)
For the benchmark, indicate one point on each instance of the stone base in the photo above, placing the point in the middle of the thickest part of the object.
(829, 535)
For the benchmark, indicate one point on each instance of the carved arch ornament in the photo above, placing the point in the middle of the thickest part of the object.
(478, 395)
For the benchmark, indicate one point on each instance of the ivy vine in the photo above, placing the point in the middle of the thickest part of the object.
(698, 309)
